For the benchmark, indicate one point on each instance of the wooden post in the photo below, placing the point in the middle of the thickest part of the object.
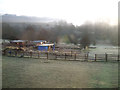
(23, 53)
(4, 52)
(56, 56)
(65, 56)
(15, 53)
(75, 56)
(10, 52)
(86, 57)
(31, 54)
(106, 57)
(47, 55)
(71, 53)
(118, 57)
(95, 57)
(38, 55)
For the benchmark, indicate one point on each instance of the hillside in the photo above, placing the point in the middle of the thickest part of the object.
(25, 19)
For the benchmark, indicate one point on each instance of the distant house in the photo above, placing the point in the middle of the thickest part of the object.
(46, 47)
(39, 42)
(41, 45)
(4, 41)
(20, 43)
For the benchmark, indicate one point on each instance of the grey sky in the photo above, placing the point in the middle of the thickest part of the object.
(74, 11)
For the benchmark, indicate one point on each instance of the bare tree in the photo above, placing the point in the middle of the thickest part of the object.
(29, 34)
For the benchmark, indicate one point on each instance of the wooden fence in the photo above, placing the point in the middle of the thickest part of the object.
(63, 56)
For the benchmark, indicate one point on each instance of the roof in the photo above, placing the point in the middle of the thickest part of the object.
(46, 45)
(4, 41)
(18, 41)
(37, 41)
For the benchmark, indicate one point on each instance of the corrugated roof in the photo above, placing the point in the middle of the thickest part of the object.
(39, 41)
(18, 41)
(46, 45)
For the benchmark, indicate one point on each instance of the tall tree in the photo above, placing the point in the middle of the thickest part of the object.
(29, 34)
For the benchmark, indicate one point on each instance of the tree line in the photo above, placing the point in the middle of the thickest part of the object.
(85, 34)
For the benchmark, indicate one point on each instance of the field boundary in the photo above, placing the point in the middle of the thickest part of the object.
(63, 55)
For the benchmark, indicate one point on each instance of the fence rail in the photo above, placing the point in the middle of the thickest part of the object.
(63, 56)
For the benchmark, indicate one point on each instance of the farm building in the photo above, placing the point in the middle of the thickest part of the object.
(20, 43)
(46, 47)
(39, 42)
(4, 41)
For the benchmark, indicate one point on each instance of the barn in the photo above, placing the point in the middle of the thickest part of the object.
(20, 43)
(46, 47)
(39, 42)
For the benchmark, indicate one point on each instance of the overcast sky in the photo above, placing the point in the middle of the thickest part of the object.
(73, 11)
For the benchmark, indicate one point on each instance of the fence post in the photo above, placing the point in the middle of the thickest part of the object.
(71, 53)
(87, 57)
(65, 56)
(47, 55)
(15, 53)
(9, 52)
(4, 52)
(56, 56)
(31, 54)
(75, 56)
(118, 57)
(106, 56)
(38, 55)
(23, 53)
(95, 57)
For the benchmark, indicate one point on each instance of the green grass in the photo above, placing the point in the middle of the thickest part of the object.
(38, 73)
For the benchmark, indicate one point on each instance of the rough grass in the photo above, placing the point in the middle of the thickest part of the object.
(38, 73)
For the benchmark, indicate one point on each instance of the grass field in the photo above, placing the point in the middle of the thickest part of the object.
(38, 73)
